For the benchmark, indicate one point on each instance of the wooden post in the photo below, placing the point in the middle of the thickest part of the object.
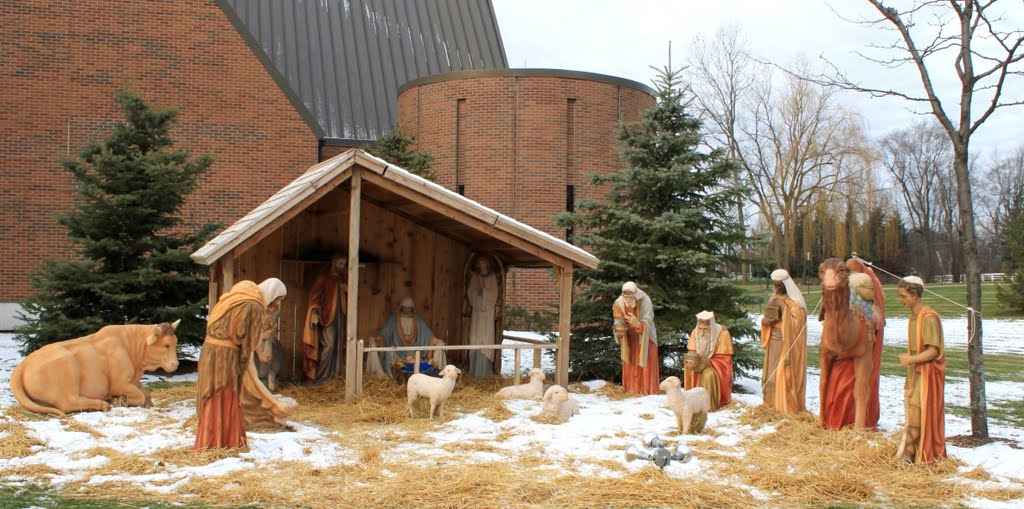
(518, 360)
(416, 362)
(537, 358)
(359, 366)
(228, 270)
(564, 315)
(213, 295)
(352, 316)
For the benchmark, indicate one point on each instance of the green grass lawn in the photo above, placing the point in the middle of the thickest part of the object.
(954, 292)
(18, 498)
(998, 368)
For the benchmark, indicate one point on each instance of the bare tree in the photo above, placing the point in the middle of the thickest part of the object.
(1004, 190)
(915, 158)
(721, 74)
(798, 146)
(987, 56)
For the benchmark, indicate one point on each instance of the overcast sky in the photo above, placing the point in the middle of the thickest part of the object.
(624, 38)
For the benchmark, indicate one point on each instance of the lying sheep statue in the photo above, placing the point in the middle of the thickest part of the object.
(691, 407)
(436, 390)
(558, 404)
(533, 389)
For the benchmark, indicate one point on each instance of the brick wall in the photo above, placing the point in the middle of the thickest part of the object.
(516, 138)
(62, 63)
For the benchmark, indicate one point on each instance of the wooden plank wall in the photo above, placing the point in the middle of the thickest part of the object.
(412, 261)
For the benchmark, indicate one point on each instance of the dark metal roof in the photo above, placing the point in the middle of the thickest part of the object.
(341, 62)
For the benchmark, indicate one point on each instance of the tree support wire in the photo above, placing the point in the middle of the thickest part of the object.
(972, 315)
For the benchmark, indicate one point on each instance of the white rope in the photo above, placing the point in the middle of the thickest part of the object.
(900, 278)
(972, 315)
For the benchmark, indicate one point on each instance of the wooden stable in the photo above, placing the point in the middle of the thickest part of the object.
(403, 235)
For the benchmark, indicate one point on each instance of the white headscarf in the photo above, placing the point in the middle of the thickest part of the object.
(914, 280)
(272, 288)
(791, 289)
(706, 345)
(407, 302)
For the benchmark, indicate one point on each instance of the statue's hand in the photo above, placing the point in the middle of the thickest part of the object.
(904, 359)
(314, 319)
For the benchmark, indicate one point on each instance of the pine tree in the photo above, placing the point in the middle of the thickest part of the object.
(1011, 295)
(396, 148)
(131, 248)
(665, 224)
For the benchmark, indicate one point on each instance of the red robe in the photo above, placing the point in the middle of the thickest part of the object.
(638, 377)
(716, 377)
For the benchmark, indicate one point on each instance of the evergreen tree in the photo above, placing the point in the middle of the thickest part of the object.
(1011, 295)
(397, 149)
(665, 224)
(131, 248)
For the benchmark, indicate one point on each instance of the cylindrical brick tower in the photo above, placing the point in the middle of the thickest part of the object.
(524, 142)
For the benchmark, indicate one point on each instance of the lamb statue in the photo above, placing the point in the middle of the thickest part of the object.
(691, 407)
(436, 390)
(558, 404)
(533, 389)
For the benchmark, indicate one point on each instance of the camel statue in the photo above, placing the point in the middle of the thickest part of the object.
(851, 344)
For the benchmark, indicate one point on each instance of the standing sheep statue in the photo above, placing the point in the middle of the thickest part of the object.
(691, 407)
(436, 390)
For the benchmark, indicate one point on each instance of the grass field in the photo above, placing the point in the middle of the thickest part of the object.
(998, 368)
(14, 498)
(955, 292)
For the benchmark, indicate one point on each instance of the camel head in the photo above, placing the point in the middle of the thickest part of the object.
(834, 275)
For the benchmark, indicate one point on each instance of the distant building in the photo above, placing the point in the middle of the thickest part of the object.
(271, 87)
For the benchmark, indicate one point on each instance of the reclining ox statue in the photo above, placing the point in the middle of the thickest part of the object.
(87, 372)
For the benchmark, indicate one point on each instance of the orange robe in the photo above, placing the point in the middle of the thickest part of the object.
(926, 384)
(640, 365)
(785, 386)
(328, 289)
(232, 330)
(716, 374)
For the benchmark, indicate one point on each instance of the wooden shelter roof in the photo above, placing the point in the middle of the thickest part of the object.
(406, 194)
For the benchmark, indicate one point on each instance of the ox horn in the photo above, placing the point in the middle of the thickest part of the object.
(175, 324)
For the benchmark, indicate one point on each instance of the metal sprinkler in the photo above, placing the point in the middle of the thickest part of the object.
(660, 456)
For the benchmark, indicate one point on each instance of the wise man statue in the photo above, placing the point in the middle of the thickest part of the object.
(323, 338)
(924, 440)
(633, 329)
(709, 360)
(784, 338)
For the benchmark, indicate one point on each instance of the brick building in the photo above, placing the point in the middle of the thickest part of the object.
(524, 142)
(271, 87)
(264, 86)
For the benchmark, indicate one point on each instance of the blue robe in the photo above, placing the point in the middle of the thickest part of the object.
(391, 338)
